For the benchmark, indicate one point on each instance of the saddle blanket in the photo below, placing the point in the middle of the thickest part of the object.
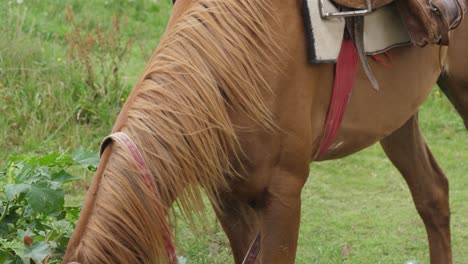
(383, 30)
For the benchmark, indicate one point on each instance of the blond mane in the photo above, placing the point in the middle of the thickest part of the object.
(211, 63)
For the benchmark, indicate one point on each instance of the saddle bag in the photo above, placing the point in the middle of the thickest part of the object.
(429, 21)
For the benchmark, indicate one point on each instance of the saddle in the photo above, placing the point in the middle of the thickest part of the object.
(427, 21)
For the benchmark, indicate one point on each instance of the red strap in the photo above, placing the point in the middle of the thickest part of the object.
(149, 180)
(346, 69)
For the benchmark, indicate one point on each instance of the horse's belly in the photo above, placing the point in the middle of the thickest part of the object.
(372, 115)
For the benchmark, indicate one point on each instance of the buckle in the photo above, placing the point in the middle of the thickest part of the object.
(360, 12)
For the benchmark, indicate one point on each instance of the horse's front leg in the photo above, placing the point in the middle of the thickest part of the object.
(281, 217)
(409, 152)
(240, 222)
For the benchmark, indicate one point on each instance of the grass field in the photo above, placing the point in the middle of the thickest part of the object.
(66, 69)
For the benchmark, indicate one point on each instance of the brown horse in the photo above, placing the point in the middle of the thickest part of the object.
(228, 105)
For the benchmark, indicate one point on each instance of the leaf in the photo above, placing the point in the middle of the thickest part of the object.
(10, 223)
(73, 212)
(14, 190)
(63, 177)
(45, 200)
(37, 252)
(4, 255)
(14, 245)
(19, 158)
(88, 160)
(65, 160)
(49, 159)
(24, 173)
(32, 186)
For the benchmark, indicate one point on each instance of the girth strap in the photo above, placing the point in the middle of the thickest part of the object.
(346, 69)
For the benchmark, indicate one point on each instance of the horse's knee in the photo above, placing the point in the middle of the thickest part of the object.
(434, 207)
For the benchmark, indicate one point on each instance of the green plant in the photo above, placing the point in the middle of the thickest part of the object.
(100, 54)
(35, 224)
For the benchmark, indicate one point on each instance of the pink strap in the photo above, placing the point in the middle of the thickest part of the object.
(346, 70)
(124, 139)
(254, 250)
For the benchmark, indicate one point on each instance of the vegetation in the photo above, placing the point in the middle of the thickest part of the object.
(34, 221)
(65, 71)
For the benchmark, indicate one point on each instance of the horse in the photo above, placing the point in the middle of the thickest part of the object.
(228, 106)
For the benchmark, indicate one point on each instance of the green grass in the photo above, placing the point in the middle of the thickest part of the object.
(360, 201)
(45, 101)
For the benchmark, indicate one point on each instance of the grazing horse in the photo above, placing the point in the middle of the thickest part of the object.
(228, 106)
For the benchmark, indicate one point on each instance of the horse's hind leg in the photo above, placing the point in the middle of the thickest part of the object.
(454, 79)
(410, 154)
(454, 84)
(239, 222)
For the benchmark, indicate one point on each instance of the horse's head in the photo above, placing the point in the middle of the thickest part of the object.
(219, 62)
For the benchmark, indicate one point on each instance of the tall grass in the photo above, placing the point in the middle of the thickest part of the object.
(66, 69)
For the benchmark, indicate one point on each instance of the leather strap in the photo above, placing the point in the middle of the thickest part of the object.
(355, 27)
(124, 139)
(254, 250)
(346, 70)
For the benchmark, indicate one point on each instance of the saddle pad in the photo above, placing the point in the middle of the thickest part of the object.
(383, 30)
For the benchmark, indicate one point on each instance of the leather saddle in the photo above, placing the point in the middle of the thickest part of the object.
(427, 21)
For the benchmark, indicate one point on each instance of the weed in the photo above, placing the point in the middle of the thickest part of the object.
(63, 83)
(100, 55)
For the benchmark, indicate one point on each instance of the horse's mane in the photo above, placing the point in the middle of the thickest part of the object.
(210, 64)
